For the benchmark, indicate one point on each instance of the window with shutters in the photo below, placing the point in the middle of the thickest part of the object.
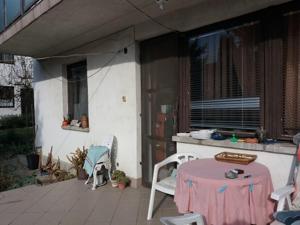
(247, 76)
(225, 83)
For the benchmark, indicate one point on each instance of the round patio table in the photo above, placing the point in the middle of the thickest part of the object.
(201, 187)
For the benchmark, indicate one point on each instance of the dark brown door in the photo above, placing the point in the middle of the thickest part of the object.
(159, 62)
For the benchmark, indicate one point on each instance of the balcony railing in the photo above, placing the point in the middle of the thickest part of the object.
(10, 10)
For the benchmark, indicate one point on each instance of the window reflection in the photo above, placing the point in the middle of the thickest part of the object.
(13, 10)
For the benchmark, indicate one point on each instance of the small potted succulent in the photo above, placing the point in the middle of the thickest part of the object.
(116, 176)
(123, 182)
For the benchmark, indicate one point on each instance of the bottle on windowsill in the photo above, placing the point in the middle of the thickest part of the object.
(233, 139)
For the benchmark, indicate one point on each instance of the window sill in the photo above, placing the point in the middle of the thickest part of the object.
(73, 128)
(280, 148)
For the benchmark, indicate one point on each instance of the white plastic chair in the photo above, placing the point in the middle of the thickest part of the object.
(283, 195)
(168, 184)
(105, 161)
(183, 220)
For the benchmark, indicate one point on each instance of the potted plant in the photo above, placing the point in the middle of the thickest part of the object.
(33, 160)
(123, 182)
(116, 176)
(77, 161)
(66, 121)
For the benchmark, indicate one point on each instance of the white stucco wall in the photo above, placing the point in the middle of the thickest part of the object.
(111, 76)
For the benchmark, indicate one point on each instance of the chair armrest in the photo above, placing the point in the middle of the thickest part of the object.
(164, 162)
(157, 166)
(282, 192)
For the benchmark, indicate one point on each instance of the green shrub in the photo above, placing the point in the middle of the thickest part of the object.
(16, 141)
(15, 121)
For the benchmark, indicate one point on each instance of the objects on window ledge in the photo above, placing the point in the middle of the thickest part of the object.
(82, 123)
(234, 139)
(66, 121)
(236, 136)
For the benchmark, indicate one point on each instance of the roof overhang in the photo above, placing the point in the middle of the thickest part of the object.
(55, 26)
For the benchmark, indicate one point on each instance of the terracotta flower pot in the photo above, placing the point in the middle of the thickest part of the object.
(84, 121)
(122, 186)
(65, 123)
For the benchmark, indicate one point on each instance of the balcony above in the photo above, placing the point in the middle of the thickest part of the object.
(41, 28)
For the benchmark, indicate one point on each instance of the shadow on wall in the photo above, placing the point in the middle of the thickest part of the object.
(38, 119)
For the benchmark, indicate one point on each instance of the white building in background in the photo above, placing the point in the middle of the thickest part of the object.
(143, 73)
(15, 77)
(9, 103)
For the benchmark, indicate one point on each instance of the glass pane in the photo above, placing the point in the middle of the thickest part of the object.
(225, 84)
(28, 4)
(77, 90)
(13, 10)
(1, 15)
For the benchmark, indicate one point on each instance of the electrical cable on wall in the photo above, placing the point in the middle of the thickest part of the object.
(124, 49)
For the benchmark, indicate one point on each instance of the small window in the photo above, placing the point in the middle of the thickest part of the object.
(7, 97)
(77, 90)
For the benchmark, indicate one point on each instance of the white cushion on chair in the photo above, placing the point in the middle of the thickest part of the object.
(167, 185)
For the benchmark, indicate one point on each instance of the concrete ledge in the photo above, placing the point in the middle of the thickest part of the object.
(76, 128)
(280, 148)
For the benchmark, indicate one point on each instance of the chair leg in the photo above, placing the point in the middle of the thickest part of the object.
(151, 203)
(88, 180)
(109, 175)
(95, 180)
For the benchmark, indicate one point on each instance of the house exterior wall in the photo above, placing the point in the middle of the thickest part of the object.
(108, 113)
(113, 95)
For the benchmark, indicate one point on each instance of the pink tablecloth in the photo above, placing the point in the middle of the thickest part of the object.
(201, 187)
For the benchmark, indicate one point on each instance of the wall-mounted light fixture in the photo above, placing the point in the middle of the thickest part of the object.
(161, 3)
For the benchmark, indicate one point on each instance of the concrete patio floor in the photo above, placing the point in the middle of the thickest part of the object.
(73, 203)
